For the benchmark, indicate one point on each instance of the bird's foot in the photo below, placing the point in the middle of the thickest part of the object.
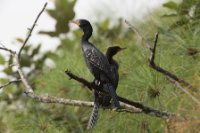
(97, 82)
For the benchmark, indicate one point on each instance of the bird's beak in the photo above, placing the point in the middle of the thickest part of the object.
(122, 49)
(77, 22)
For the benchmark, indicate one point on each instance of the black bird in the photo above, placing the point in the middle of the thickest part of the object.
(100, 99)
(111, 51)
(97, 61)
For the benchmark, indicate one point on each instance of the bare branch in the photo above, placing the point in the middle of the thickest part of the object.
(8, 50)
(52, 99)
(10, 82)
(31, 29)
(81, 80)
(179, 83)
(144, 109)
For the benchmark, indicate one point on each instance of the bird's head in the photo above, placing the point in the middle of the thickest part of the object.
(111, 51)
(82, 23)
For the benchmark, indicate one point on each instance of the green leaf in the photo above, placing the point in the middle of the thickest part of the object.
(105, 24)
(8, 70)
(50, 33)
(62, 13)
(179, 23)
(171, 5)
(36, 50)
(10, 61)
(170, 15)
(52, 13)
(25, 60)
(2, 60)
(20, 40)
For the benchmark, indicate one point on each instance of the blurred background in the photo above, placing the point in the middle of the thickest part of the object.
(55, 46)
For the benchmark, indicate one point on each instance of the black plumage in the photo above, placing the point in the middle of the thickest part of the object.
(111, 51)
(98, 64)
(97, 61)
(101, 99)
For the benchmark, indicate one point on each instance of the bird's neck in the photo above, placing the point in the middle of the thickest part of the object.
(109, 57)
(87, 34)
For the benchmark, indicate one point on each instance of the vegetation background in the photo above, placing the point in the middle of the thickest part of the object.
(178, 52)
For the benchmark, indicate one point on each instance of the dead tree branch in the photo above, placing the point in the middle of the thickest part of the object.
(178, 82)
(9, 83)
(31, 29)
(144, 109)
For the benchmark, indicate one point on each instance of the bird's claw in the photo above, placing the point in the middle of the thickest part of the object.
(97, 82)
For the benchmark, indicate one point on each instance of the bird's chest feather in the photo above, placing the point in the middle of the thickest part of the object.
(92, 60)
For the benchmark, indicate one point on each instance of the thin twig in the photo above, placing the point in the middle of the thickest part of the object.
(31, 29)
(8, 50)
(10, 82)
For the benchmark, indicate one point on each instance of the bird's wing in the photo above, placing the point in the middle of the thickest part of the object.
(98, 60)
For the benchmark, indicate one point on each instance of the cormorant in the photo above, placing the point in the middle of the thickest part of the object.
(100, 99)
(97, 62)
(111, 51)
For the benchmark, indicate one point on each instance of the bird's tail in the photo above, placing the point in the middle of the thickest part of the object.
(111, 91)
(94, 115)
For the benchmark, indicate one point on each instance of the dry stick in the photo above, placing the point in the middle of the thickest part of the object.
(173, 78)
(144, 109)
(31, 29)
(9, 83)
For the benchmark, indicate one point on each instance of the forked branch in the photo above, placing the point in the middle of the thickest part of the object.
(178, 82)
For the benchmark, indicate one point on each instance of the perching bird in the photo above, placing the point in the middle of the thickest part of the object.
(100, 99)
(97, 62)
(111, 51)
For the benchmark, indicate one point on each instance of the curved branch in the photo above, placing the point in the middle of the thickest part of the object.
(178, 82)
(31, 29)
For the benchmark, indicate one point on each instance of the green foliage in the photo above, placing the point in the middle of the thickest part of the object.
(2, 60)
(187, 13)
(177, 51)
(62, 13)
(171, 5)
